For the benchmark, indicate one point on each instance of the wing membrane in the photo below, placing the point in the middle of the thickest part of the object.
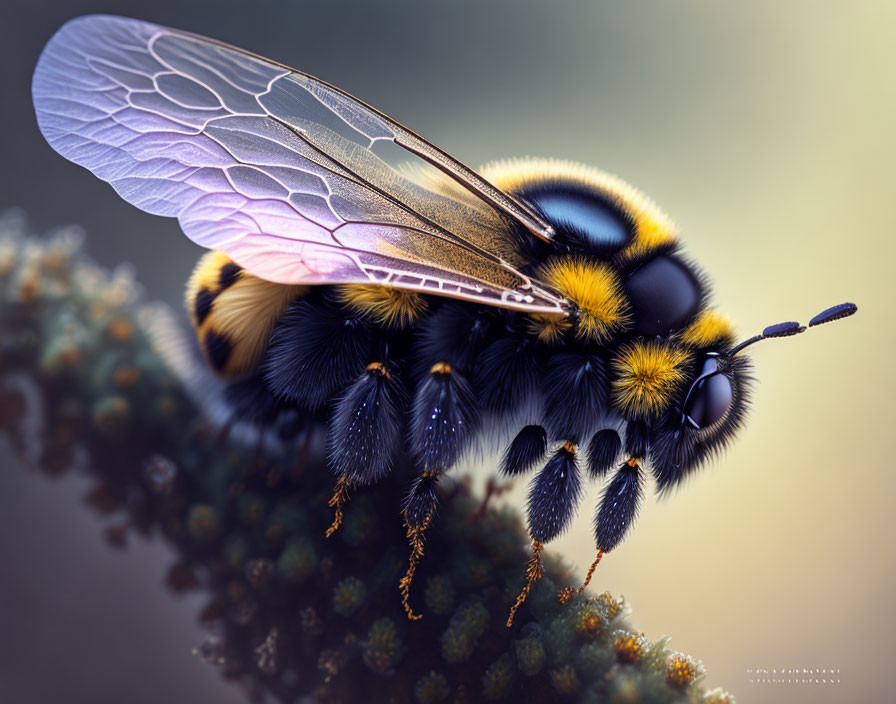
(294, 179)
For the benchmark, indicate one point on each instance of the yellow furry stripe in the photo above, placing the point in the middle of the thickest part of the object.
(234, 312)
(653, 229)
(394, 307)
(711, 328)
(549, 329)
(595, 289)
(205, 282)
(646, 377)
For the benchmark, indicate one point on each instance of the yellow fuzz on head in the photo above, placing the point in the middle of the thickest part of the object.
(549, 329)
(652, 228)
(395, 307)
(595, 289)
(646, 377)
(711, 328)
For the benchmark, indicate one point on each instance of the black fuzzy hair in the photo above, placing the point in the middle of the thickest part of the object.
(554, 496)
(637, 438)
(618, 507)
(227, 275)
(444, 418)
(603, 452)
(315, 350)
(454, 333)
(506, 373)
(527, 448)
(366, 427)
(575, 394)
(218, 347)
(422, 499)
(677, 449)
(202, 305)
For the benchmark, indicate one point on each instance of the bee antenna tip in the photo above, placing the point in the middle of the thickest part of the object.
(790, 328)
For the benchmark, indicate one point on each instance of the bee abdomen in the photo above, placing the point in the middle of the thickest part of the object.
(234, 312)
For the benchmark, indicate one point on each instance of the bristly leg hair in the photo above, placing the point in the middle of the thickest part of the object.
(618, 506)
(534, 572)
(419, 509)
(554, 495)
(366, 426)
(444, 417)
(337, 502)
(567, 593)
(422, 499)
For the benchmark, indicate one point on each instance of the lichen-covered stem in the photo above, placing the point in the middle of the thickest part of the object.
(291, 614)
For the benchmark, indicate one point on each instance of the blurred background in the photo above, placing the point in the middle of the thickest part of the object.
(765, 129)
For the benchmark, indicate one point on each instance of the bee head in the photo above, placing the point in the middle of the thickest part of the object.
(711, 407)
(593, 214)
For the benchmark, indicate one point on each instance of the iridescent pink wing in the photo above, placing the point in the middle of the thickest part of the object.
(297, 181)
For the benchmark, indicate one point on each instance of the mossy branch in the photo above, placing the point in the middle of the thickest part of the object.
(291, 613)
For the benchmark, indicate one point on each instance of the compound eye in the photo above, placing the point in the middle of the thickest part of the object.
(664, 294)
(709, 400)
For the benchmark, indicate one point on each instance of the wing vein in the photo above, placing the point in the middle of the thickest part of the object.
(276, 167)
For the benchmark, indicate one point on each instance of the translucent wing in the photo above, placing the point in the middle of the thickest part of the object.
(297, 181)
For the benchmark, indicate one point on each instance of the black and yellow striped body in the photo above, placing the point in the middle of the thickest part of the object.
(234, 312)
(399, 373)
(638, 306)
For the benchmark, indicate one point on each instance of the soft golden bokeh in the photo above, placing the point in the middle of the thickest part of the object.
(767, 131)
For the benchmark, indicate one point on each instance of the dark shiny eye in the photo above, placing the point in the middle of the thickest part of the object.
(664, 294)
(709, 397)
(586, 216)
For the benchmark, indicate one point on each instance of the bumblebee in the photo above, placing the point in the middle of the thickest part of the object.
(361, 278)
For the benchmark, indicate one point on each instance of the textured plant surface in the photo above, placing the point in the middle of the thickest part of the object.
(290, 613)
